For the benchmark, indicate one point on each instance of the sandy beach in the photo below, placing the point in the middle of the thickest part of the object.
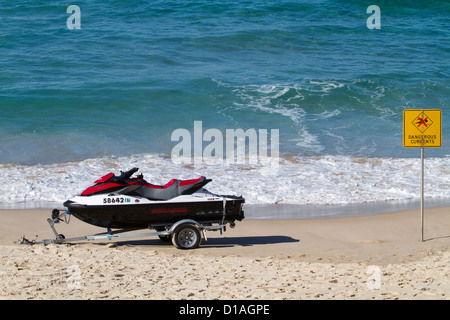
(368, 257)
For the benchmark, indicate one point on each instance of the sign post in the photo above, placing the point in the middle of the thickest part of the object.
(422, 128)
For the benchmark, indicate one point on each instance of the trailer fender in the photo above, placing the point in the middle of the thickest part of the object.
(188, 221)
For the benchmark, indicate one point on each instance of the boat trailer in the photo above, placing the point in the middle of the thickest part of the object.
(184, 234)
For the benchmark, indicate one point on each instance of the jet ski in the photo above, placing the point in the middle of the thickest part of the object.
(127, 202)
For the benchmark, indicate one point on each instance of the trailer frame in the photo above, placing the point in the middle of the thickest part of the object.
(184, 234)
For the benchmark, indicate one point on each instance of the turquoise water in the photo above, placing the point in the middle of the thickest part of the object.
(138, 70)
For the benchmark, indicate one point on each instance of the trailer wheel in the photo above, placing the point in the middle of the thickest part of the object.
(55, 214)
(186, 236)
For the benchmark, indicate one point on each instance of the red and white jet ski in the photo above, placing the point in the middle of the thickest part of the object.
(125, 202)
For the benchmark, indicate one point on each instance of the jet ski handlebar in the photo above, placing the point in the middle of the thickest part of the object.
(127, 174)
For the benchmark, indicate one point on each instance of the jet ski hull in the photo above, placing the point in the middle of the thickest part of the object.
(120, 211)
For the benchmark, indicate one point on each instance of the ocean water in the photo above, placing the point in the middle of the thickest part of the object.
(76, 104)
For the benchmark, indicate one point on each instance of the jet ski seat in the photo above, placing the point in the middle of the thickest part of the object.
(124, 184)
(171, 189)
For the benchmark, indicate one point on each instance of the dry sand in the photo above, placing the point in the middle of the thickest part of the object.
(368, 257)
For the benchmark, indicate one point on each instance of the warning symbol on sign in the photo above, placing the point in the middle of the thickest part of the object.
(422, 122)
(422, 128)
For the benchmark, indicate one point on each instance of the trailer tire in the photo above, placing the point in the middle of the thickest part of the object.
(55, 214)
(186, 236)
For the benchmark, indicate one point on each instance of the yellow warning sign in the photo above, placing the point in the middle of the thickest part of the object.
(422, 128)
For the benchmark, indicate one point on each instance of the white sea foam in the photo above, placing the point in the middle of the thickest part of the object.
(299, 180)
(283, 100)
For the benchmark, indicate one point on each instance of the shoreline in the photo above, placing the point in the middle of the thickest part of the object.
(258, 259)
(335, 211)
(286, 211)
